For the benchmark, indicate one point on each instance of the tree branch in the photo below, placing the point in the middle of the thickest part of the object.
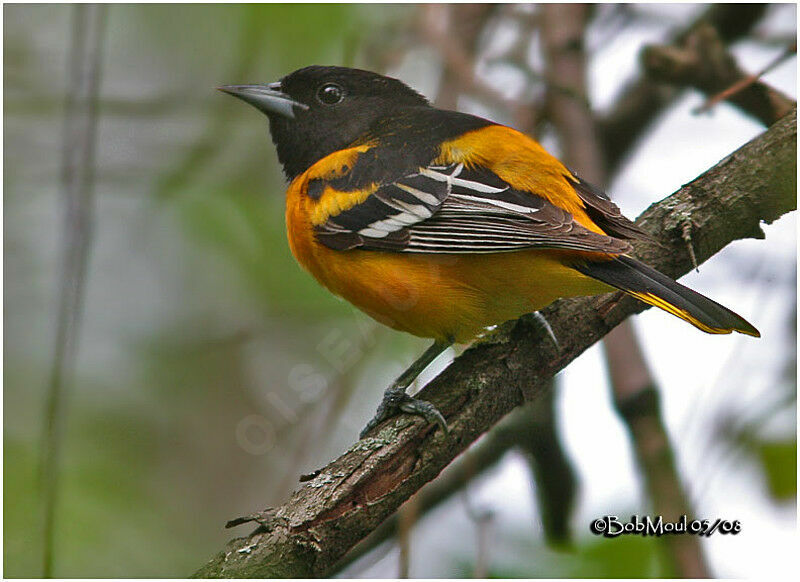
(643, 100)
(355, 493)
(531, 428)
(77, 185)
(457, 41)
(703, 61)
(458, 54)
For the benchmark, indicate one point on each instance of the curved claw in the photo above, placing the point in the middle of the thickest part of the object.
(395, 402)
(426, 410)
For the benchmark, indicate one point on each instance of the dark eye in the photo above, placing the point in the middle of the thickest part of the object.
(330, 94)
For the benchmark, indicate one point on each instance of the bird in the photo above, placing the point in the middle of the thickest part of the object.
(442, 224)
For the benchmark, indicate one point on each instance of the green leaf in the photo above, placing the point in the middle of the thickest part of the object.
(779, 460)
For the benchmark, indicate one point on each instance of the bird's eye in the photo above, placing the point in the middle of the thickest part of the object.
(330, 94)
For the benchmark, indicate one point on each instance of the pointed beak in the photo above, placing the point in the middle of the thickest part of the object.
(266, 98)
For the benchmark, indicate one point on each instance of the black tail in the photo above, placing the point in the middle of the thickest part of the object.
(654, 288)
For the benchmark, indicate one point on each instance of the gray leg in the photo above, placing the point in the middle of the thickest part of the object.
(395, 399)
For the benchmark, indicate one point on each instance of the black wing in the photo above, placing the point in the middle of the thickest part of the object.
(605, 214)
(453, 209)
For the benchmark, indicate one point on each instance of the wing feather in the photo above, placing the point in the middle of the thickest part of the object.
(605, 213)
(454, 209)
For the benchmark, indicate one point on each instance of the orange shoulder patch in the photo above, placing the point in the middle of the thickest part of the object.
(336, 164)
(521, 162)
(332, 202)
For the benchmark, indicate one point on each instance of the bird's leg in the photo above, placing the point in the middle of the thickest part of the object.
(395, 399)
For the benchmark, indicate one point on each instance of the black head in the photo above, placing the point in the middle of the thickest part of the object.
(318, 110)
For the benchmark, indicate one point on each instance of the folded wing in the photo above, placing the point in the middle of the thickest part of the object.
(452, 210)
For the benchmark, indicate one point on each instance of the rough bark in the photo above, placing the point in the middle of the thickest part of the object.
(532, 428)
(350, 497)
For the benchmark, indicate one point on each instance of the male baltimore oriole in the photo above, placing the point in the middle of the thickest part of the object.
(440, 223)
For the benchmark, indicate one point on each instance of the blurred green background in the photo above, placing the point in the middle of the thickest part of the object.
(211, 369)
(194, 304)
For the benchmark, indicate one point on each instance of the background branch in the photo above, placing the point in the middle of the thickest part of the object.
(631, 381)
(702, 61)
(458, 44)
(644, 98)
(77, 181)
(350, 497)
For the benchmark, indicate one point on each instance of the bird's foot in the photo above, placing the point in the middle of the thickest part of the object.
(395, 401)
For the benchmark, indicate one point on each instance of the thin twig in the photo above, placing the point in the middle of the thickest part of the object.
(80, 123)
(408, 517)
(703, 61)
(686, 235)
(745, 82)
(643, 99)
(458, 62)
(482, 520)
